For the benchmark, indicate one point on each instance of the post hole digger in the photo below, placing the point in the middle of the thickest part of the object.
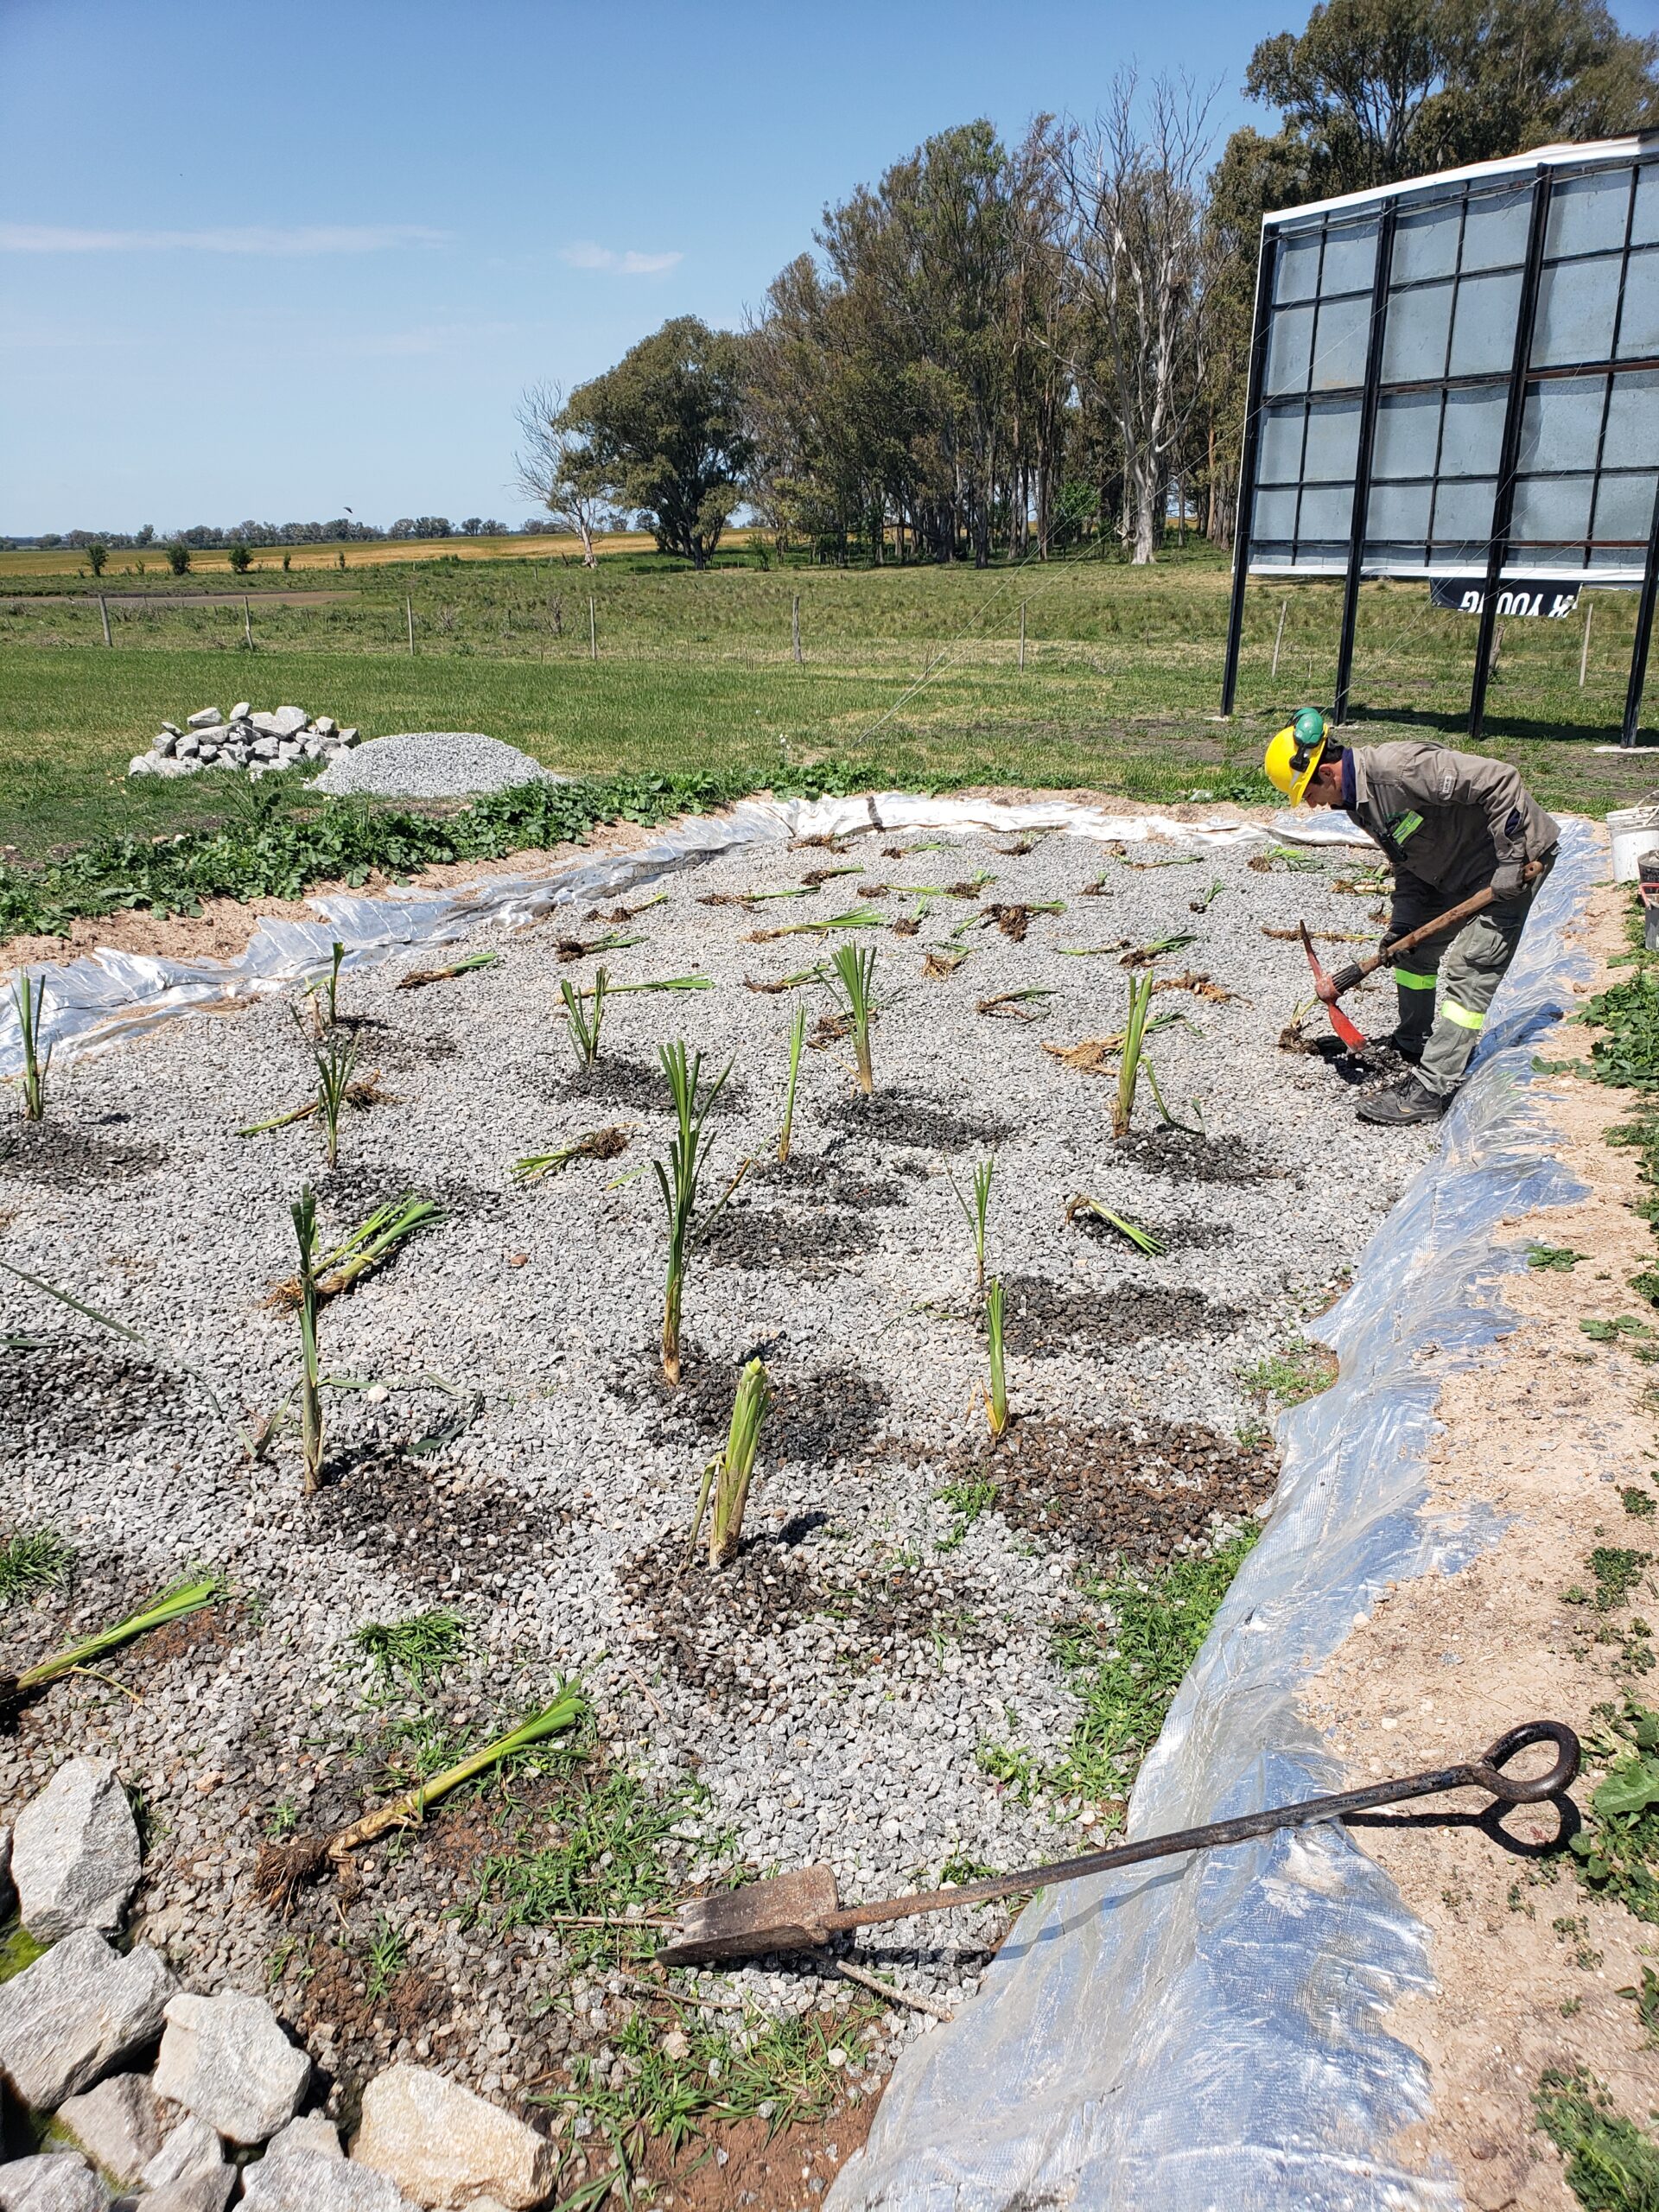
(803, 1910)
(1469, 846)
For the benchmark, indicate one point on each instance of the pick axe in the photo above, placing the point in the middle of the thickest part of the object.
(1331, 987)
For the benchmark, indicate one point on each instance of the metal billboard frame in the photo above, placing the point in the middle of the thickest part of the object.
(1481, 184)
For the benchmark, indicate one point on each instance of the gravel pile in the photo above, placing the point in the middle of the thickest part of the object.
(872, 1679)
(430, 764)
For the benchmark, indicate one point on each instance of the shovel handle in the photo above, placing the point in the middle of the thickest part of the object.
(1485, 1772)
(1453, 917)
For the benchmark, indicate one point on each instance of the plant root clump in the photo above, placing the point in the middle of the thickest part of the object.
(1145, 1493)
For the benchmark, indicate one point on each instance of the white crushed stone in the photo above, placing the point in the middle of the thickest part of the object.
(430, 764)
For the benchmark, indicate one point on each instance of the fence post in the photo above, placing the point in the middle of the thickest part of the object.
(593, 630)
(409, 617)
(104, 610)
(1279, 638)
(247, 623)
(795, 627)
(1584, 650)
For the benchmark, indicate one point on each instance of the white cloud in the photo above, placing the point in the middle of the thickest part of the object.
(585, 254)
(303, 238)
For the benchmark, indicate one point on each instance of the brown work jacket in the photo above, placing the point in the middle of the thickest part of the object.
(1451, 819)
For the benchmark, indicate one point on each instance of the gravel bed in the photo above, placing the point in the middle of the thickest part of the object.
(430, 764)
(512, 1450)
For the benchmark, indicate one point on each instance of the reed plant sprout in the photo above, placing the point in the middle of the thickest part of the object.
(729, 1473)
(189, 1597)
(797, 1040)
(585, 1011)
(370, 1245)
(977, 1214)
(852, 975)
(996, 1401)
(418, 977)
(679, 1179)
(595, 1144)
(1083, 1207)
(336, 1057)
(1129, 1063)
(304, 1213)
(326, 988)
(29, 996)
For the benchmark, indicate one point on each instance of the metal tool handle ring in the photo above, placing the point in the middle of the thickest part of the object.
(1534, 1789)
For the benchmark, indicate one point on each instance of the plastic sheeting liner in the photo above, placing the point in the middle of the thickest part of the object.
(1209, 2033)
(95, 1002)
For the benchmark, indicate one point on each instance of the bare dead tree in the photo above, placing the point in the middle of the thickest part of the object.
(555, 469)
(1133, 184)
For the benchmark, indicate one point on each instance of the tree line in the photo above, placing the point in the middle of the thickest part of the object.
(1002, 349)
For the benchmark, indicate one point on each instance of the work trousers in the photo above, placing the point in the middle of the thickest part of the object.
(1467, 966)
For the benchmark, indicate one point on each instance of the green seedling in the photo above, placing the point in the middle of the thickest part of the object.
(788, 983)
(853, 972)
(184, 1597)
(585, 1023)
(797, 1041)
(679, 1179)
(415, 1651)
(386, 1957)
(1131, 1054)
(1557, 1259)
(29, 996)
(597, 1144)
(996, 1403)
(1015, 1006)
(369, 1246)
(1205, 899)
(1144, 955)
(977, 1214)
(335, 1055)
(1610, 2164)
(1143, 1239)
(30, 1563)
(656, 983)
(728, 1474)
(304, 1215)
(417, 977)
(859, 918)
(1622, 1324)
(328, 987)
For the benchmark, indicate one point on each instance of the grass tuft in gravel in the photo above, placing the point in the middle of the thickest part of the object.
(585, 1022)
(852, 979)
(31, 1561)
(415, 1651)
(29, 996)
(1612, 2165)
(976, 1213)
(335, 1055)
(730, 1471)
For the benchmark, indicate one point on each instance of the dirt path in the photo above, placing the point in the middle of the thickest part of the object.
(1550, 1428)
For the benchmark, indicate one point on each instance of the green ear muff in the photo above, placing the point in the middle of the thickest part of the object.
(1310, 728)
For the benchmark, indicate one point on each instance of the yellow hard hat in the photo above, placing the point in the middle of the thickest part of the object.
(1295, 752)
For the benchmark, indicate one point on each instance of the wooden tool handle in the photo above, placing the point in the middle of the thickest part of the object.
(1453, 917)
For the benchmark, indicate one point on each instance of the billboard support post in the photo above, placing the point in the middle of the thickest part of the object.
(1362, 463)
(1247, 468)
(1498, 545)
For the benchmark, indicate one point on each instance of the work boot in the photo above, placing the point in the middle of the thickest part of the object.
(1405, 1044)
(1403, 1104)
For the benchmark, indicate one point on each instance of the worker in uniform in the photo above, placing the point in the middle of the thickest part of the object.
(1452, 823)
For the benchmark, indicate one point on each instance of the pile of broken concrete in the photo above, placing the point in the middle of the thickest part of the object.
(153, 2097)
(254, 743)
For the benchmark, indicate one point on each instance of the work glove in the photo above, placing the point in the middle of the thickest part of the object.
(1510, 880)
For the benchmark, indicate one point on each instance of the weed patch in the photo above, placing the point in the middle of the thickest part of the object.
(1613, 2165)
(31, 1561)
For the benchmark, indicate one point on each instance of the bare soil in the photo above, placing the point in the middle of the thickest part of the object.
(1550, 1426)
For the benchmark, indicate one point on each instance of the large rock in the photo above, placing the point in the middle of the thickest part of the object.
(190, 2172)
(312, 2131)
(310, 2181)
(443, 2146)
(7, 1892)
(74, 1853)
(77, 2014)
(284, 721)
(240, 711)
(204, 718)
(117, 2125)
(59, 2182)
(226, 2059)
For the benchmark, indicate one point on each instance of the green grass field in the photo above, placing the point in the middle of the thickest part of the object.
(1119, 690)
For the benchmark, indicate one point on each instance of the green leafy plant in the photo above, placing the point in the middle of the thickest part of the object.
(585, 1022)
(1143, 1239)
(1613, 2165)
(335, 1054)
(1644, 1995)
(1609, 1332)
(304, 1215)
(174, 1605)
(1616, 1853)
(976, 1213)
(852, 979)
(797, 1040)
(996, 1402)
(31, 1561)
(678, 1180)
(368, 1246)
(29, 996)
(1300, 1371)
(1132, 1053)
(1556, 1259)
(730, 1471)
(415, 1649)
(597, 1144)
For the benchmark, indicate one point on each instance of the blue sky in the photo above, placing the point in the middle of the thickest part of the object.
(277, 262)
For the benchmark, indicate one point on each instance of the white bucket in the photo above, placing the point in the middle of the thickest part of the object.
(1634, 830)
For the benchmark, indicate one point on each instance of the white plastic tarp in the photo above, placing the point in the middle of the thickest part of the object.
(1209, 2032)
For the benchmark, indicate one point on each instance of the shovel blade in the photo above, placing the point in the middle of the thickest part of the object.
(790, 1912)
(1351, 1036)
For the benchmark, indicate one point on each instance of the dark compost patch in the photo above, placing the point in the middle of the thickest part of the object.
(1183, 1157)
(1045, 1319)
(830, 1414)
(65, 1157)
(891, 1117)
(65, 1396)
(419, 1525)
